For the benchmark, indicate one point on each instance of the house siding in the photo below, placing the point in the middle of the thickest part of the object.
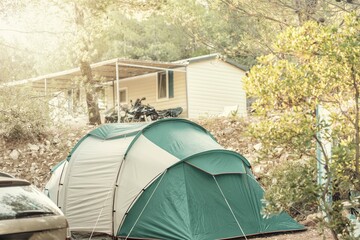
(146, 87)
(213, 85)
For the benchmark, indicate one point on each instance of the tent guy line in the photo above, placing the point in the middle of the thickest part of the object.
(152, 194)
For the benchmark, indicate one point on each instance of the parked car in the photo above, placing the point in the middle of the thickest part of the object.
(28, 214)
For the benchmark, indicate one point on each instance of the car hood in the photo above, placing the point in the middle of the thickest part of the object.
(32, 224)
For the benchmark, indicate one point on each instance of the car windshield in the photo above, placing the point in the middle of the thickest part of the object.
(24, 201)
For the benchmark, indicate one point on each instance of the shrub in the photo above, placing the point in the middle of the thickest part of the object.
(291, 187)
(23, 115)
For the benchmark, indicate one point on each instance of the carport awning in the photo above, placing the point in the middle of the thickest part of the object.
(103, 72)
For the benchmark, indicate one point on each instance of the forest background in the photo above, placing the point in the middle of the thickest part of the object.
(44, 36)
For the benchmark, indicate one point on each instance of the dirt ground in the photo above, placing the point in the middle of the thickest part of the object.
(309, 234)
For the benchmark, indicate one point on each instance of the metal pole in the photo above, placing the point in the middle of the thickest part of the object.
(117, 92)
(187, 93)
(45, 86)
(177, 69)
(113, 93)
(72, 102)
(323, 134)
(167, 83)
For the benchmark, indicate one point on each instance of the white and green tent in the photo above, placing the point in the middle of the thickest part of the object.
(167, 179)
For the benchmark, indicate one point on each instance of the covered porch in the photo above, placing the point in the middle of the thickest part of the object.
(117, 81)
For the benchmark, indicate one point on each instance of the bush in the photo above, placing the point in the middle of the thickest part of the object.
(291, 187)
(23, 115)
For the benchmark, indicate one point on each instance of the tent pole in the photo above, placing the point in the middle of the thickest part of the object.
(232, 212)
(152, 194)
(116, 187)
(117, 92)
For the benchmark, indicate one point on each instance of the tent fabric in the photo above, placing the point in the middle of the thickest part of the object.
(109, 131)
(176, 140)
(167, 179)
(117, 130)
(53, 184)
(192, 204)
(139, 168)
(220, 162)
(89, 183)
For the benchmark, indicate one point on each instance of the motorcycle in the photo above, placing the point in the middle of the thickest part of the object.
(139, 112)
(170, 113)
(111, 116)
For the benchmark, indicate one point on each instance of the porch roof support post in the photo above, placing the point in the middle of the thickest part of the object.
(187, 93)
(45, 83)
(117, 92)
(113, 93)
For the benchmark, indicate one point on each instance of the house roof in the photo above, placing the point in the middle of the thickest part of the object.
(213, 56)
(104, 71)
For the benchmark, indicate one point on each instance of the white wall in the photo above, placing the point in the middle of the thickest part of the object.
(145, 86)
(214, 85)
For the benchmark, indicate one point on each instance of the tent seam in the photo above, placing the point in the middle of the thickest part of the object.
(147, 127)
(211, 151)
(116, 187)
(60, 184)
(200, 169)
(136, 198)
(76, 147)
(179, 120)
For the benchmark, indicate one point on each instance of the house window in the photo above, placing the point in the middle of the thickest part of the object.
(165, 85)
(123, 95)
(161, 84)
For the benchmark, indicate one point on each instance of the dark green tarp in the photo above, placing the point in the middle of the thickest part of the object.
(194, 200)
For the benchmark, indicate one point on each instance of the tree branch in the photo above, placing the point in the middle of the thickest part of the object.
(19, 49)
(33, 32)
(247, 13)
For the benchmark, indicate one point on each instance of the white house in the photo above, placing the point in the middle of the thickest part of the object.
(208, 86)
(203, 86)
(214, 85)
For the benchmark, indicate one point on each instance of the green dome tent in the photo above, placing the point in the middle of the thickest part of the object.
(167, 179)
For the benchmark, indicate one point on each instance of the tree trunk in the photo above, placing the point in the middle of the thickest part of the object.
(86, 72)
(91, 99)
(305, 10)
(357, 120)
